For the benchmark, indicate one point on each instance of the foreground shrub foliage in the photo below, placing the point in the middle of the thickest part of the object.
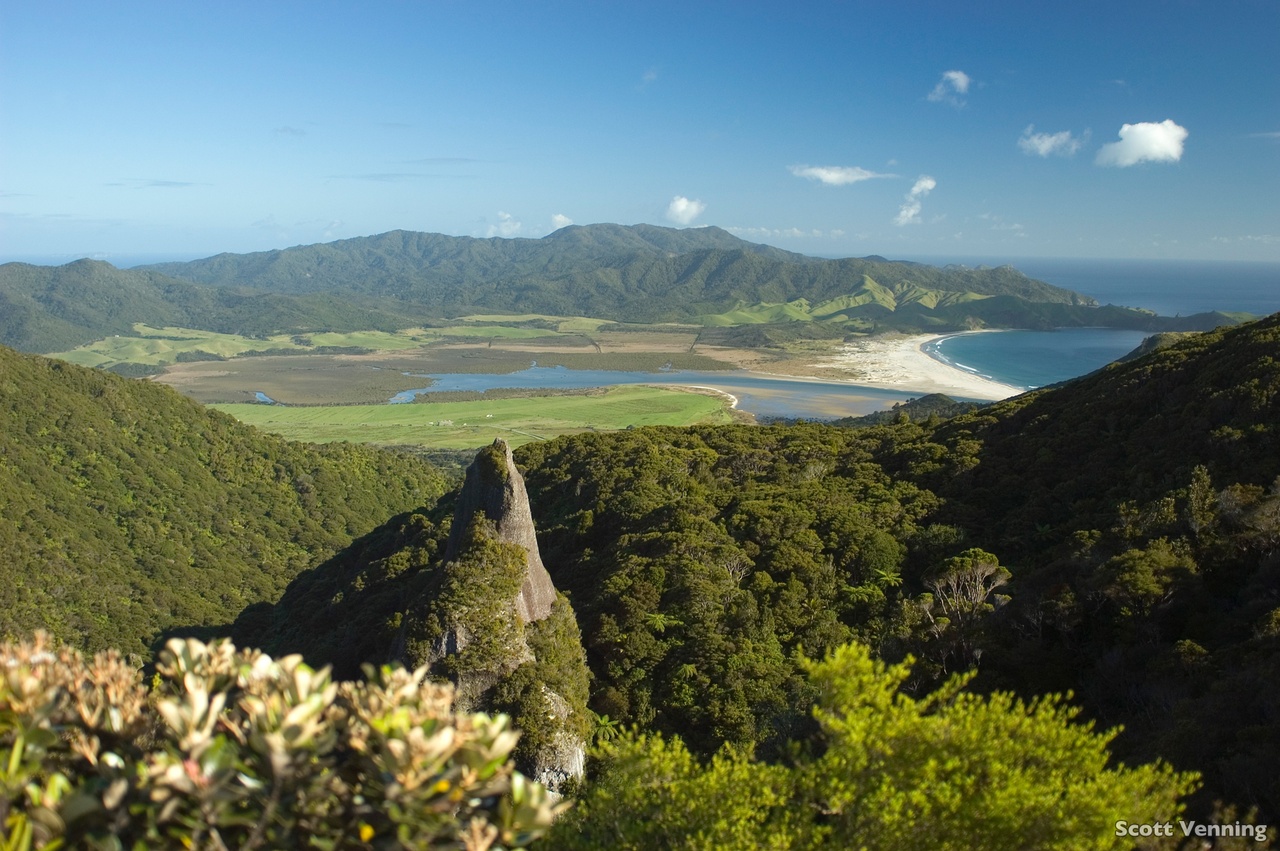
(233, 749)
(951, 771)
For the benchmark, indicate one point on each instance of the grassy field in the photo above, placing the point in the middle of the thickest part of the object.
(156, 346)
(566, 324)
(502, 332)
(462, 425)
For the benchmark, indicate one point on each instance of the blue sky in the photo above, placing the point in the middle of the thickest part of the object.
(1019, 129)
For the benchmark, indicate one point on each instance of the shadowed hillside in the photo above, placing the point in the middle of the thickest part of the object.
(127, 509)
(54, 308)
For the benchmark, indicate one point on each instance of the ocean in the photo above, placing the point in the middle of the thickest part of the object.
(1030, 359)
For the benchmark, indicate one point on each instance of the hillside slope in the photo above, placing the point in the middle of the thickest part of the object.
(54, 308)
(127, 509)
(639, 273)
(643, 273)
(1117, 536)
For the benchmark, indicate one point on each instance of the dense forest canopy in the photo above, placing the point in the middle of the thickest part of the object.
(127, 510)
(1116, 537)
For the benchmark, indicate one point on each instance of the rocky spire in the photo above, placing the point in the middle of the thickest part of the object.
(495, 487)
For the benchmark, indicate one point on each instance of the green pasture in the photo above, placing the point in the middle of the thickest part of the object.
(461, 425)
(157, 346)
(564, 324)
(504, 332)
(383, 341)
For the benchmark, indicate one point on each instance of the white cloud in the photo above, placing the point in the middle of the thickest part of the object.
(997, 223)
(1144, 142)
(785, 233)
(835, 175)
(560, 221)
(949, 89)
(1047, 144)
(683, 211)
(910, 212)
(1264, 239)
(507, 226)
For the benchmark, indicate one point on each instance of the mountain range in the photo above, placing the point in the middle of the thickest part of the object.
(639, 273)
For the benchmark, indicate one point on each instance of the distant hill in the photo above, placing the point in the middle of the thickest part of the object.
(127, 510)
(53, 308)
(638, 273)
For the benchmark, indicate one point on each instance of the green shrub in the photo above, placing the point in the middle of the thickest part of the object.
(232, 749)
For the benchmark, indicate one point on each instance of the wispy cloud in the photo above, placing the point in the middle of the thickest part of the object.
(1144, 142)
(909, 214)
(1271, 135)
(507, 226)
(383, 176)
(785, 233)
(1262, 238)
(1062, 144)
(683, 211)
(951, 88)
(441, 161)
(835, 175)
(559, 220)
(999, 224)
(154, 183)
(290, 131)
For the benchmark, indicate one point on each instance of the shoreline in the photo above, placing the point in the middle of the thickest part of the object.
(901, 362)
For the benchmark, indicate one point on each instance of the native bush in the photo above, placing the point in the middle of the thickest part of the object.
(233, 749)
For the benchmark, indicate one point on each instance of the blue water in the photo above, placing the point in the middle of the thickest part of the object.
(1023, 359)
(1168, 287)
(759, 395)
(1030, 359)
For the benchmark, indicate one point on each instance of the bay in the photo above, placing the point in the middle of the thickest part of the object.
(1030, 359)
(1168, 287)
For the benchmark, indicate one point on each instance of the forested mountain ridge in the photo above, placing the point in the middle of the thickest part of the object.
(642, 273)
(54, 308)
(1141, 508)
(1116, 536)
(639, 273)
(126, 509)
(1133, 430)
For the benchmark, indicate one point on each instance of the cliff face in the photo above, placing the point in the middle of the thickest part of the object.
(496, 626)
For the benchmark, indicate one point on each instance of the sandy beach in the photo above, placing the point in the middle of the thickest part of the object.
(898, 363)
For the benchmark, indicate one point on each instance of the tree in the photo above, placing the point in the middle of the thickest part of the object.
(959, 771)
(958, 604)
(951, 771)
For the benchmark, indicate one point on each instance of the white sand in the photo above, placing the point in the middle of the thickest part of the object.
(897, 363)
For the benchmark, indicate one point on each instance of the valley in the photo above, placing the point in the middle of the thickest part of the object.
(715, 588)
(330, 386)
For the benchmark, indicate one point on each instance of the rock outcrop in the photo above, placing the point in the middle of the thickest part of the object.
(493, 623)
(495, 488)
